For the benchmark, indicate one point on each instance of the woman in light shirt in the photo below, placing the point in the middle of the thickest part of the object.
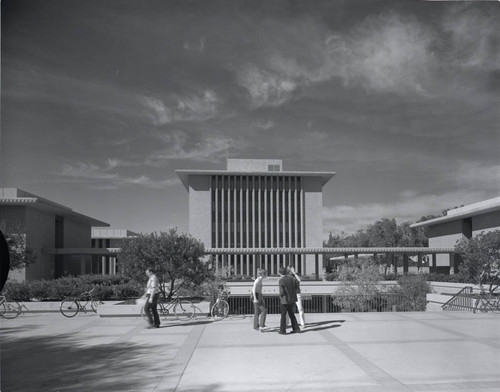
(300, 308)
(260, 310)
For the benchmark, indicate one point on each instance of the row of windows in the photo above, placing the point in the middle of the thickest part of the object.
(256, 211)
(101, 243)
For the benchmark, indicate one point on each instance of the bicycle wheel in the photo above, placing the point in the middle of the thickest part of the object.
(184, 310)
(496, 306)
(69, 308)
(94, 304)
(220, 310)
(143, 314)
(10, 310)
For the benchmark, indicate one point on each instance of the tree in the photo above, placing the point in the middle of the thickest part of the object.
(20, 254)
(176, 258)
(359, 286)
(480, 256)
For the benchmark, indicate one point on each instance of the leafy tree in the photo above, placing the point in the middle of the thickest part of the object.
(413, 289)
(384, 233)
(176, 258)
(359, 286)
(480, 257)
(20, 254)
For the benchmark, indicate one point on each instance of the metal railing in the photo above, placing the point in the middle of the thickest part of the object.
(328, 304)
(463, 300)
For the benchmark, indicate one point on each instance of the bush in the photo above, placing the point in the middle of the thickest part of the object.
(105, 288)
(16, 291)
(434, 277)
(127, 290)
(413, 289)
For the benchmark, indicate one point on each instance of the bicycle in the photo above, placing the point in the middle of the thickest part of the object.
(220, 308)
(486, 302)
(70, 307)
(183, 309)
(9, 309)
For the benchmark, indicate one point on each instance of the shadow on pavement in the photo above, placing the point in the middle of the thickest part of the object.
(187, 323)
(311, 327)
(63, 363)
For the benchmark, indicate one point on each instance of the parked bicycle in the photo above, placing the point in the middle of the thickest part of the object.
(9, 309)
(220, 308)
(70, 307)
(183, 309)
(488, 301)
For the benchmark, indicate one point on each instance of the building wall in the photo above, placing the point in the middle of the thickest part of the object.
(486, 222)
(257, 211)
(13, 218)
(200, 209)
(40, 235)
(313, 219)
(76, 234)
(448, 234)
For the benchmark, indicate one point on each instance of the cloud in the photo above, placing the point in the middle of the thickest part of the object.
(478, 176)
(97, 177)
(189, 107)
(206, 147)
(265, 124)
(266, 87)
(27, 82)
(389, 53)
(475, 37)
(409, 207)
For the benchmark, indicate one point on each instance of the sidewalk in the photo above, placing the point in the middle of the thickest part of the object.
(442, 351)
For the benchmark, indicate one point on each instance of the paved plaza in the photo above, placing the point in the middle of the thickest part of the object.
(427, 351)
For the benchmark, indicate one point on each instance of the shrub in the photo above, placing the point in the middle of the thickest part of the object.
(434, 277)
(16, 291)
(413, 289)
(105, 288)
(125, 290)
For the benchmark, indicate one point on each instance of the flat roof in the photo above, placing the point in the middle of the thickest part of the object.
(345, 251)
(18, 197)
(184, 174)
(463, 212)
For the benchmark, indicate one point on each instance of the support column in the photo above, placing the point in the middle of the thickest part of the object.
(316, 265)
(433, 267)
(82, 264)
(405, 263)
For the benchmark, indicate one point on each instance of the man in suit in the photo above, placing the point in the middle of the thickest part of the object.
(288, 297)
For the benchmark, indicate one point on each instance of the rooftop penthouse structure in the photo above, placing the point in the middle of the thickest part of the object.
(252, 204)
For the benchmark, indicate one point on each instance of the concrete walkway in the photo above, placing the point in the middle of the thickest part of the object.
(428, 351)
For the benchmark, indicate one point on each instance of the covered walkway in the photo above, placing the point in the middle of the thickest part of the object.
(312, 261)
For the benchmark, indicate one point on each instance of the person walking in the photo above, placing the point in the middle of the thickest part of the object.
(288, 296)
(300, 308)
(260, 310)
(152, 296)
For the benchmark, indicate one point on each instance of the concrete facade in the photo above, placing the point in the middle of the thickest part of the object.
(255, 204)
(46, 226)
(111, 240)
(461, 223)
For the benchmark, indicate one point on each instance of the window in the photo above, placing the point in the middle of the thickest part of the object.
(273, 168)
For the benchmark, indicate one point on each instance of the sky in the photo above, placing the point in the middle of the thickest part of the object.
(103, 100)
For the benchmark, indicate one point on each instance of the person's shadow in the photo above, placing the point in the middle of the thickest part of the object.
(320, 325)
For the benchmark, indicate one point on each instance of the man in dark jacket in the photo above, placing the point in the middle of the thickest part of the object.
(288, 297)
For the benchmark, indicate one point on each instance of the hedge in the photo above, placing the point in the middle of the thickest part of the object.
(113, 287)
